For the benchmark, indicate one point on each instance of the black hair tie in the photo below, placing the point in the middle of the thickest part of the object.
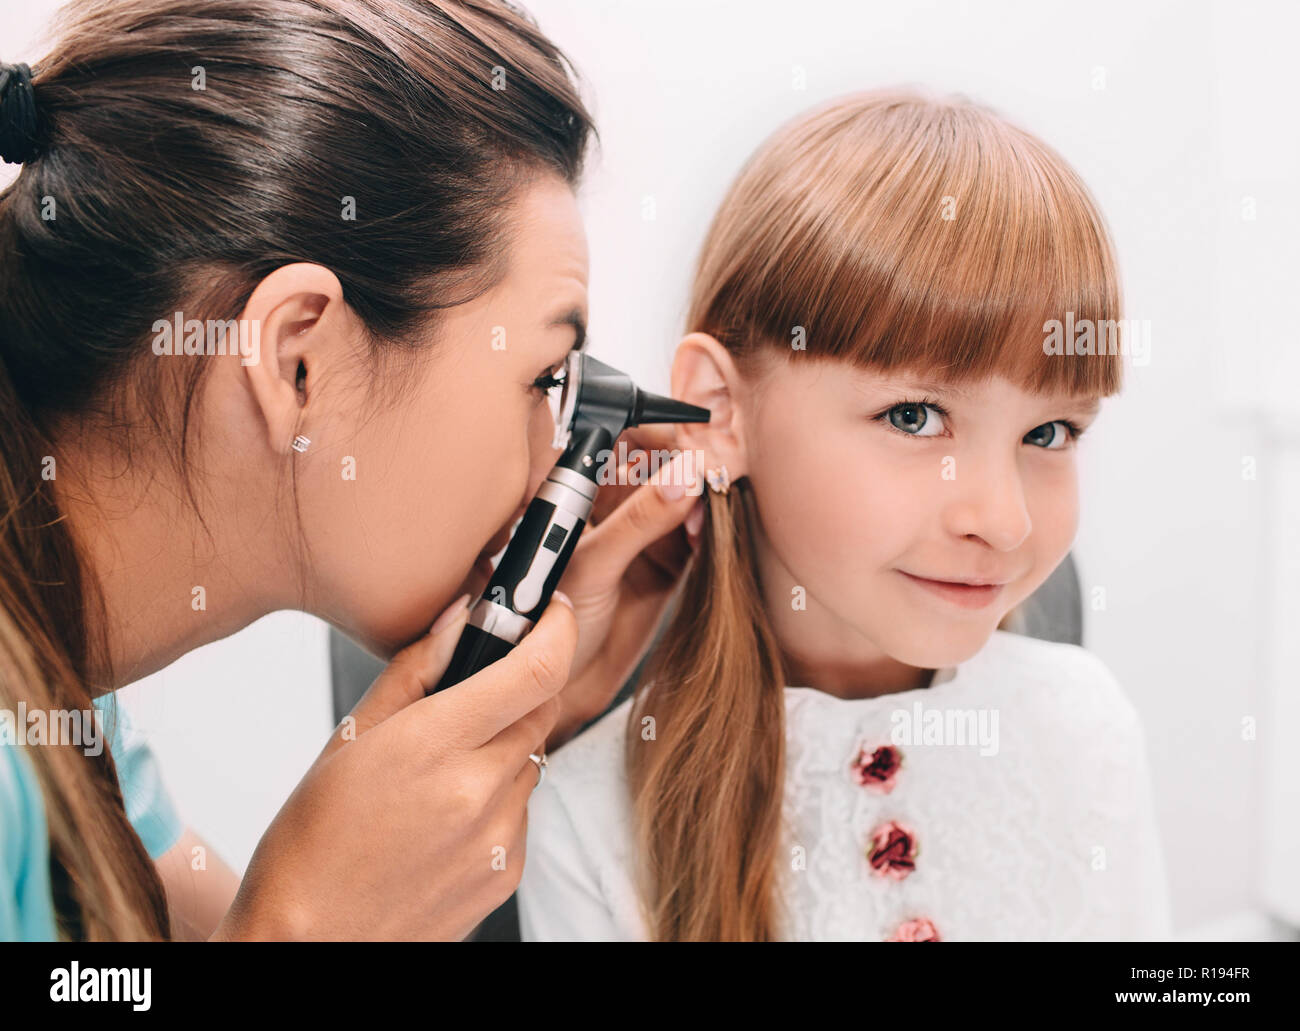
(17, 114)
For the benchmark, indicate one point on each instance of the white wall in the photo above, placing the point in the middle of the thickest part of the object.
(1197, 114)
(237, 723)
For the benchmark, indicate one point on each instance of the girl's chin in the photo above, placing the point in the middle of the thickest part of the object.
(941, 647)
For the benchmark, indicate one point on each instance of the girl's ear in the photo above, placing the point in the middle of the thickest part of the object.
(704, 374)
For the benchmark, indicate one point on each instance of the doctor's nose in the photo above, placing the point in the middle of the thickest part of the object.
(542, 456)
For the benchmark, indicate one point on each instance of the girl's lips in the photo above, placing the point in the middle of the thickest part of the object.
(966, 596)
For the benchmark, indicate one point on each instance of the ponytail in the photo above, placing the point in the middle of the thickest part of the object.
(104, 883)
(714, 771)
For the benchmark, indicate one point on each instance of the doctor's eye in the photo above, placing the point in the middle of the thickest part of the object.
(549, 380)
(914, 418)
(1049, 438)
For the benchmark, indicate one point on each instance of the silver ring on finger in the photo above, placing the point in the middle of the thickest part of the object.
(540, 761)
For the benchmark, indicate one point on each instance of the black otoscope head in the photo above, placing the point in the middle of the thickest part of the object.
(607, 397)
(599, 402)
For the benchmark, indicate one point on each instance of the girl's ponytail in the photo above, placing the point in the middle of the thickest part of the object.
(707, 783)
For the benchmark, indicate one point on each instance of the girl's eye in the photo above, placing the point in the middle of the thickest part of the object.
(913, 418)
(1050, 438)
(926, 419)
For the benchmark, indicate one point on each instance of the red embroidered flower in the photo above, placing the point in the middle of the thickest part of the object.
(918, 930)
(893, 850)
(877, 770)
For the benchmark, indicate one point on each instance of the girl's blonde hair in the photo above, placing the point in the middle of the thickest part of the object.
(901, 232)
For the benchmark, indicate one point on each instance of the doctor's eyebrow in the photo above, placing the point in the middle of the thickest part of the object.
(572, 317)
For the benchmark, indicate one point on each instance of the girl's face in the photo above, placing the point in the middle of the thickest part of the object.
(866, 482)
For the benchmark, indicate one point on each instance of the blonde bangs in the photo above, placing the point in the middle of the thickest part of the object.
(908, 234)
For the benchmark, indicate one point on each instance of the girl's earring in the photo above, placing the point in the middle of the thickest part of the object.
(719, 480)
(300, 443)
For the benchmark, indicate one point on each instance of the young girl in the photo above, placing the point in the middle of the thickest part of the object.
(837, 736)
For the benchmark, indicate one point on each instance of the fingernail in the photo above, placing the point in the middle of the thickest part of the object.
(670, 479)
(449, 614)
(561, 596)
(696, 519)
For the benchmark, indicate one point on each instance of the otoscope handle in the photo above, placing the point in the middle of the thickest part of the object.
(477, 649)
(525, 578)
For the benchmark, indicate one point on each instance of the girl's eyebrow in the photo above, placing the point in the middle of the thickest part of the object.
(1081, 405)
(937, 387)
(1086, 405)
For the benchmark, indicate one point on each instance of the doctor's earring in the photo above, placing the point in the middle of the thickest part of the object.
(718, 479)
(300, 443)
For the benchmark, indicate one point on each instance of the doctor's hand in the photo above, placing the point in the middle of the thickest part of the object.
(412, 821)
(623, 573)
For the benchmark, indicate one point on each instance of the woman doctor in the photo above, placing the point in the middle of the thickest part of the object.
(381, 193)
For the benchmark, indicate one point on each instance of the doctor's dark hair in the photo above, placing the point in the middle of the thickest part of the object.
(179, 153)
(904, 233)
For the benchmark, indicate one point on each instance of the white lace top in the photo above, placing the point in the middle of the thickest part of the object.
(1009, 800)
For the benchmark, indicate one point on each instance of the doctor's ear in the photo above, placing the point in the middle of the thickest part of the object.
(704, 374)
(305, 331)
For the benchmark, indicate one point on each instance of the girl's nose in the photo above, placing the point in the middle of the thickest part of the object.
(988, 502)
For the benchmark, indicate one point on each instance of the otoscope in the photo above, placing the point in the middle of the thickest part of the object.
(597, 402)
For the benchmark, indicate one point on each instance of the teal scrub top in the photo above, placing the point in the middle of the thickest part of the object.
(26, 903)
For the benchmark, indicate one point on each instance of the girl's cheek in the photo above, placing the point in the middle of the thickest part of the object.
(1053, 499)
(1055, 523)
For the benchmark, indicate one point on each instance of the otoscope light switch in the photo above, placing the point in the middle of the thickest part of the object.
(528, 593)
